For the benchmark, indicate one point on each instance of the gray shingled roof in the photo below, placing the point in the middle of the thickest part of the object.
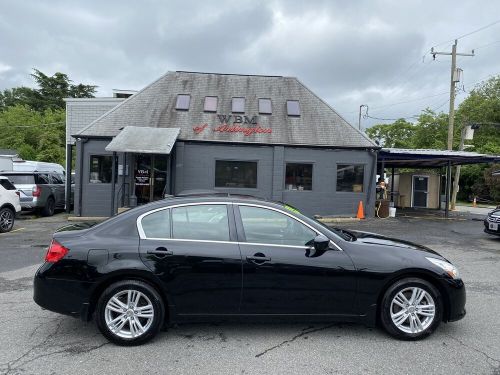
(154, 106)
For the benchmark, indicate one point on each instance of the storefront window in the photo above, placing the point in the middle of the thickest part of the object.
(298, 176)
(350, 177)
(100, 169)
(236, 174)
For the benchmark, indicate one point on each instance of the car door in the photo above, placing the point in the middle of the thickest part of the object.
(192, 248)
(58, 189)
(282, 273)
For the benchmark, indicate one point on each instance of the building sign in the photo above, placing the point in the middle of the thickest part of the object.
(141, 177)
(234, 124)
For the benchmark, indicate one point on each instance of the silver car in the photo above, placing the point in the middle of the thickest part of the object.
(40, 191)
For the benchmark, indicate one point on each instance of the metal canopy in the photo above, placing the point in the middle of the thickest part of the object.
(144, 140)
(421, 158)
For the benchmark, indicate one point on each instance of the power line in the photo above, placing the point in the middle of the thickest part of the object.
(469, 33)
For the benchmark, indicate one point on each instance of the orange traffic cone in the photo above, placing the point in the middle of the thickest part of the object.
(361, 212)
(474, 203)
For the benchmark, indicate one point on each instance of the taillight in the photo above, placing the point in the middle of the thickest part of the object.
(18, 193)
(55, 252)
(36, 191)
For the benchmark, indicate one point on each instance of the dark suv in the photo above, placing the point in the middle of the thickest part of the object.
(492, 222)
(41, 191)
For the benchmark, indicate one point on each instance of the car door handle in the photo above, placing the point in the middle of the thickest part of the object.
(160, 251)
(258, 258)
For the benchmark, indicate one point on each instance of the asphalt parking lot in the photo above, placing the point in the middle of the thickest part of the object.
(34, 341)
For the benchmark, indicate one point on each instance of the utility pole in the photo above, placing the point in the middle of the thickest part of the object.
(453, 80)
(451, 116)
(359, 118)
(457, 172)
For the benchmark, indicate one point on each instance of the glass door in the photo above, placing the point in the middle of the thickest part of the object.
(150, 177)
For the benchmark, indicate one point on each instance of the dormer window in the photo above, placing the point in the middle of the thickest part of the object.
(183, 102)
(210, 104)
(238, 105)
(265, 107)
(293, 108)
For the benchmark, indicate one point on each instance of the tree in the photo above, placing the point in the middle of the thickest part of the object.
(50, 93)
(398, 134)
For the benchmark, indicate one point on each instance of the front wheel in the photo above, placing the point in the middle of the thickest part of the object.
(411, 309)
(130, 312)
(7, 217)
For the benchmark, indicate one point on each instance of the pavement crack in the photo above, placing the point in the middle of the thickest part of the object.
(302, 333)
(474, 349)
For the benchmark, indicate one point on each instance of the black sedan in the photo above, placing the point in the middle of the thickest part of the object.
(492, 222)
(205, 258)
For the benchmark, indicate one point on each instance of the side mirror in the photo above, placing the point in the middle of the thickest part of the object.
(321, 242)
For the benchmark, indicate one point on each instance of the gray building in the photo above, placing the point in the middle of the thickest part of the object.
(266, 136)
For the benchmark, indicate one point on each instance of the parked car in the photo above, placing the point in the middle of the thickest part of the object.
(9, 204)
(492, 222)
(42, 191)
(220, 257)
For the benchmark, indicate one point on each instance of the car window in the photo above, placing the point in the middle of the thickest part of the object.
(56, 179)
(157, 224)
(266, 226)
(21, 179)
(42, 179)
(7, 185)
(207, 222)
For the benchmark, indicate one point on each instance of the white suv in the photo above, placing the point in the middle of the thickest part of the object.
(9, 204)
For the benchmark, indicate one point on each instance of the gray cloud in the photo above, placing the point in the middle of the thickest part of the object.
(350, 53)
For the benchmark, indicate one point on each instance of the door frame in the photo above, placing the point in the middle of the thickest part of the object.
(413, 190)
(168, 178)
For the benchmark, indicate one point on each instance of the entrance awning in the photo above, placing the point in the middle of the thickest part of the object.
(144, 140)
(419, 158)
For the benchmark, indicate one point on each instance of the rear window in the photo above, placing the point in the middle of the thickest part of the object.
(7, 185)
(21, 179)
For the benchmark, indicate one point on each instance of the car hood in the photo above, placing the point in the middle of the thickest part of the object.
(377, 239)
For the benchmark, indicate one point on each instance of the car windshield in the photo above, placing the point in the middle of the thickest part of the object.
(342, 233)
(21, 179)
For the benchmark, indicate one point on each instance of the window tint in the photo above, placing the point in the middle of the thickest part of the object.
(21, 179)
(183, 102)
(238, 105)
(56, 179)
(298, 176)
(101, 169)
(236, 174)
(42, 179)
(292, 108)
(265, 106)
(271, 227)
(157, 224)
(210, 104)
(7, 185)
(207, 222)
(350, 177)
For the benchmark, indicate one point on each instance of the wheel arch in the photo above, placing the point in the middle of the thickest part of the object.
(9, 206)
(128, 275)
(419, 274)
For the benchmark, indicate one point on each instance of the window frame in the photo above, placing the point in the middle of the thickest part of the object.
(232, 104)
(177, 102)
(90, 169)
(270, 106)
(337, 178)
(237, 160)
(287, 109)
(142, 234)
(303, 163)
(205, 103)
(241, 230)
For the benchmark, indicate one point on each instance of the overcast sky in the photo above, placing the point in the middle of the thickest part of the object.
(349, 52)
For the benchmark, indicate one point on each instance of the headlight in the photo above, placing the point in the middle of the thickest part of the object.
(447, 267)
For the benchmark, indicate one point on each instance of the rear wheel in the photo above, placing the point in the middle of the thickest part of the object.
(7, 217)
(49, 208)
(411, 309)
(130, 312)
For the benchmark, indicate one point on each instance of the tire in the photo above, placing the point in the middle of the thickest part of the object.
(112, 307)
(49, 208)
(411, 309)
(7, 218)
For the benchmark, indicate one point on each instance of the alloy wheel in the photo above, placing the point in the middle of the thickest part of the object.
(6, 220)
(412, 310)
(129, 314)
